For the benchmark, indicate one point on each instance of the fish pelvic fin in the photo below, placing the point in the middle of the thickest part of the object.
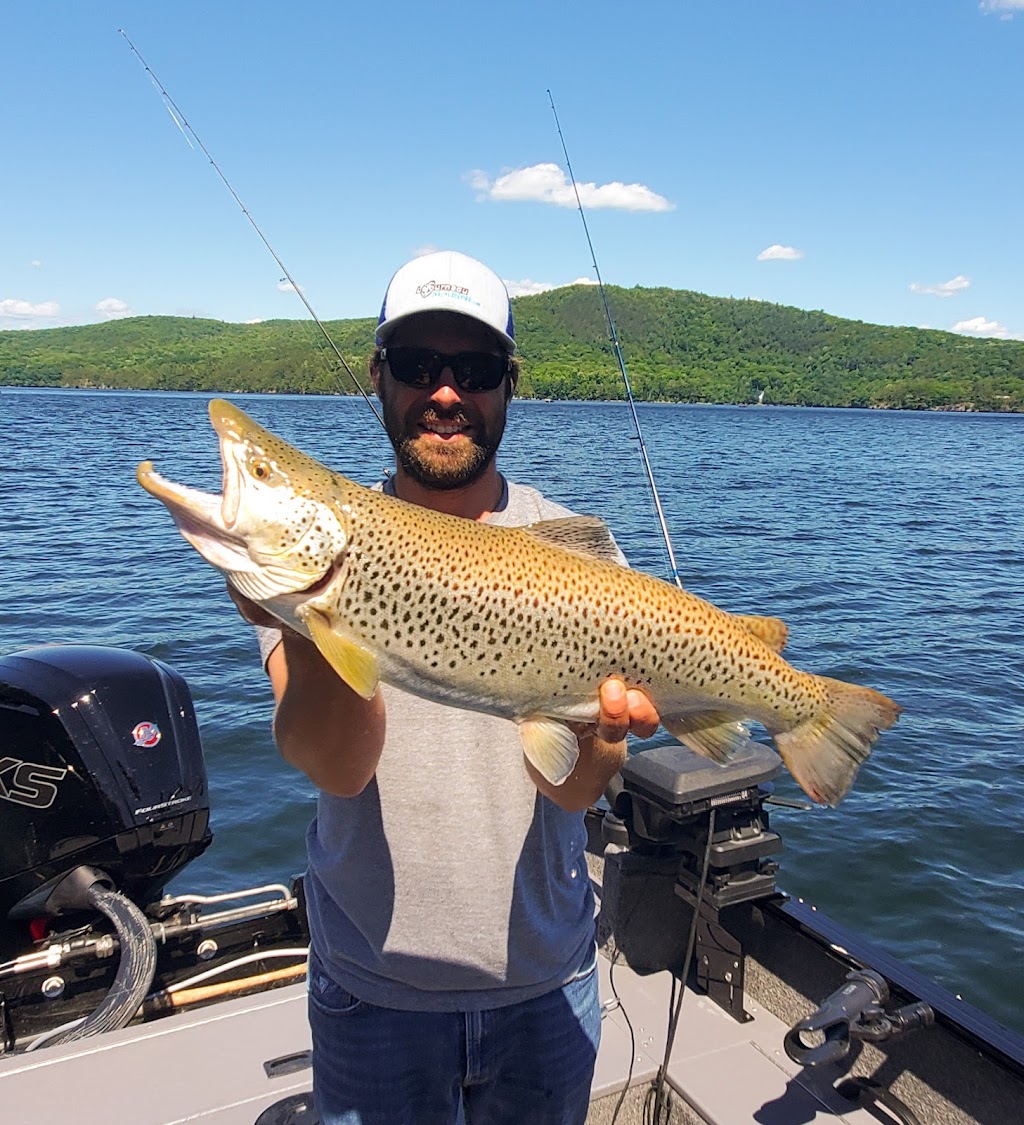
(824, 753)
(550, 747)
(771, 630)
(586, 535)
(356, 666)
(714, 734)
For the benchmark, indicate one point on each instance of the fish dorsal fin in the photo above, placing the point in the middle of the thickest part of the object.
(586, 535)
(356, 666)
(771, 630)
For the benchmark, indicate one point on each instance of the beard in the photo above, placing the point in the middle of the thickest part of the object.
(442, 465)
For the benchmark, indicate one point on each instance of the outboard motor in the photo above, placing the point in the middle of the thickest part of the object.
(100, 765)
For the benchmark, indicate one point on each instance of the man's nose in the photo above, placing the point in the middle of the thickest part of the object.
(446, 392)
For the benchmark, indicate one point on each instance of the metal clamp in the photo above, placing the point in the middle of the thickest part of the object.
(855, 1011)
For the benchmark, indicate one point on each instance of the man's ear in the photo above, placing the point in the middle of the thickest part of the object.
(512, 381)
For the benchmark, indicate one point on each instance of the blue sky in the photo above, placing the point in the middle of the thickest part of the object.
(859, 157)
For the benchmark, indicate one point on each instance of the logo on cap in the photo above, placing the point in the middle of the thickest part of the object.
(430, 287)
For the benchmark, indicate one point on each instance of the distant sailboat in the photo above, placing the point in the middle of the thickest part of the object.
(760, 398)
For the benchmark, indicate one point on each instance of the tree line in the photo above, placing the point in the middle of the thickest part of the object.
(679, 346)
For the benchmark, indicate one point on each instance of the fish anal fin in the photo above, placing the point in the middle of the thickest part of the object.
(771, 630)
(550, 747)
(586, 535)
(356, 666)
(714, 734)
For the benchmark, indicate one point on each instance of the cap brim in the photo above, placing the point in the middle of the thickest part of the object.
(384, 330)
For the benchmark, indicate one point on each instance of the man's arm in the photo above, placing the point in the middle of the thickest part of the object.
(321, 726)
(602, 747)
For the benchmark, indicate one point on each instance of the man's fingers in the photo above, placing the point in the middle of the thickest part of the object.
(643, 715)
(613, 721)
(624, 712)
(250, 611)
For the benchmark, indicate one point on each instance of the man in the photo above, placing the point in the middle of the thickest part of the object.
(451, 917)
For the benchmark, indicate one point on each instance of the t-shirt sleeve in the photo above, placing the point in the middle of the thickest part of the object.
(268, 640)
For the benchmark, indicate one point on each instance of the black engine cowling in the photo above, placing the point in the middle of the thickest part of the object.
(100, 764)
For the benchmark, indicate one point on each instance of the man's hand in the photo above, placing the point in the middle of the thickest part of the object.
(253, 613)
(602, 746)
(624, 712)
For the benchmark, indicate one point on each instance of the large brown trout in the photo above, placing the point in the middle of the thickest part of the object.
(523, 623)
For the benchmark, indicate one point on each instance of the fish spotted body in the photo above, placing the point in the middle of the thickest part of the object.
(522, 623)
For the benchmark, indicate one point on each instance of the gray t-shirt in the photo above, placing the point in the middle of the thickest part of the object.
(449, 883)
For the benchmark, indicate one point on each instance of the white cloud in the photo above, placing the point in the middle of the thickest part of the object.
(112, 308)
(35, 263)
(779, 253)
(285, 286)
(1003, 8)
(255, 320)
(15, 313)
(979, 326)
(527, 287)
(944, 288)
(547, 183)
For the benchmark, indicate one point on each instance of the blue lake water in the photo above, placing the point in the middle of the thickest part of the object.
(891, 543)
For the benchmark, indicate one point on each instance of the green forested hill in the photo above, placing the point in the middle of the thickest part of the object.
(678, 345)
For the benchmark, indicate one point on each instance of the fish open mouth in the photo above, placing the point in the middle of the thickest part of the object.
(199, 517)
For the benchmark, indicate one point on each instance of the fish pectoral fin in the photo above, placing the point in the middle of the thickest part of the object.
(772, 630)
(550, 747)
(586, 535)
(714, 734)
(356, 666)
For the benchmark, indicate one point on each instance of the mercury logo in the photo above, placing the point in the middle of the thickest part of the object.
(146, 735)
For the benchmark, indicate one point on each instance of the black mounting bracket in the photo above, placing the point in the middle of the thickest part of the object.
(718, 957)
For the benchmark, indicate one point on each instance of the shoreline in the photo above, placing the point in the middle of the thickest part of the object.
(951, 408)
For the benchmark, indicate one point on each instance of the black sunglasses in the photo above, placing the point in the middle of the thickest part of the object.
(422, 367)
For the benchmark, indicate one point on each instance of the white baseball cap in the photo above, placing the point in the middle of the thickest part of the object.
(448, 281)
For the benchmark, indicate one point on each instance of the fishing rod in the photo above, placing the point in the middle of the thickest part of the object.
(673, 568)
(188, 132)
(657, 1107)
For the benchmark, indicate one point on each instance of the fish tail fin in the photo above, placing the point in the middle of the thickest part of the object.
(824, 753)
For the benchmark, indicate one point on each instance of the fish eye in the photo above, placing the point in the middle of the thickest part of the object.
(261, 468)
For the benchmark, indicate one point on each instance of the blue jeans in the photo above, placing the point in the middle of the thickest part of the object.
(529, 1063)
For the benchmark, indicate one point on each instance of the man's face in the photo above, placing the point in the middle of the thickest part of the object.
(444, 437)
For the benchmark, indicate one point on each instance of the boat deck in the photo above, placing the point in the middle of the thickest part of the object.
(208, 1065)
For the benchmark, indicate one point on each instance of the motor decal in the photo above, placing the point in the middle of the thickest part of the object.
(146, 734)
(29, 783)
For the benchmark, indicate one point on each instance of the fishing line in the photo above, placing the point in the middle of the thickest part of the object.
(191, 135)
(673, 568)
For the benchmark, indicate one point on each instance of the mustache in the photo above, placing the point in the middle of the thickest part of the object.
(436, 414)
